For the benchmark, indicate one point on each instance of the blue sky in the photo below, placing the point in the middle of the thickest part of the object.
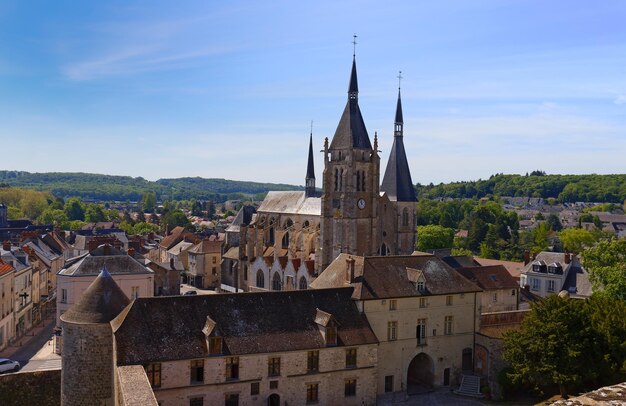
(228, 89)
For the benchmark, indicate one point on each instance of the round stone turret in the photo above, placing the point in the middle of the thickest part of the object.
(87, 372)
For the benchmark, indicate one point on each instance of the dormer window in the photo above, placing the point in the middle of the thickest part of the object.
(420, 286)
(215, 345)
(327, 326)
(213, 337)
(331, 336)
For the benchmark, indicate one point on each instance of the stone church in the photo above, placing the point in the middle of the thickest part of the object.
(294, 236)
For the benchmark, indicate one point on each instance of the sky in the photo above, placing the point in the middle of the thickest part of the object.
(165, 89)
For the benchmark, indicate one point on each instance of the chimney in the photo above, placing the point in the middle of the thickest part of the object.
(6, 245)
(131, 252)
(350, 269)
(568, 258)
(526, 257)
(172, 267)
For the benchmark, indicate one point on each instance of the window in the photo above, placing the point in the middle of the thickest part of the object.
(392, 330)
(351, 358)
(302, 284)
(198, 401)
(273, 384)
(245, 272)
(393, 303)
(231, 399)
(420, 287)
(254, 388)
(63, 295)
(358, 181)
(153, 371)
(551, 285)
(420, 331)
(312, 393)
(389, 383)
(286, 240)
(197, 371)
(449, 300)
(331, 335)
(423, 302)
(494, 297)
(271, 236)
(405, 217)
(350, 387)
(273, 366)
(512, 292)
(232, 368)
(215, 345)
(312, 361)
(447, 328)
(214, 260)
(535, 284)
(134, 292)
(276, 282)
(260, 279)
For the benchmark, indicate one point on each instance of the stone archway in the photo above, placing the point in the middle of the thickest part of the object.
(421, 374)
(273, 400)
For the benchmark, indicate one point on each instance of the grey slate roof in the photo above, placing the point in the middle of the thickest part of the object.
(116, 261)
(170, 328)
(351, 131)
(291, 203)
(391, 276)
(100, 303)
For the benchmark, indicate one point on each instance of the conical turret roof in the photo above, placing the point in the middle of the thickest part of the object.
(100, 303)
(310, 168)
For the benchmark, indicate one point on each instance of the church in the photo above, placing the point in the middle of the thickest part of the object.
(295, 235)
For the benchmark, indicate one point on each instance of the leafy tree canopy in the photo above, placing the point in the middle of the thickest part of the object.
(606, 264)
(434, 237)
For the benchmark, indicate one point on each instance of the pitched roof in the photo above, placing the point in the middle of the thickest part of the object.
(489, 277)
(170, 328)
(116, 261)
(351, 131)
(460, 261)
(177, 234)
(290, 203)
(207, 245)
(5, 267)
(391, 276)
(100, 303)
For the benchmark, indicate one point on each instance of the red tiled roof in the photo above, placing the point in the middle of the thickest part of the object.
(5, 268)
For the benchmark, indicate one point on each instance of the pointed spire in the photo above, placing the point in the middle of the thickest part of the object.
(399, 123)
(310, 169)
(353, 89)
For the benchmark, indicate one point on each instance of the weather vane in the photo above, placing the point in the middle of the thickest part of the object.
(354, 45)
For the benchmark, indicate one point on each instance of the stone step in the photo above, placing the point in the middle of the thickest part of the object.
(470, 386)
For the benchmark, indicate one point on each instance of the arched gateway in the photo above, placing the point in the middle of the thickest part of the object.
(421, 373)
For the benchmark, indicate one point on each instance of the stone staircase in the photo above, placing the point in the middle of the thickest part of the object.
(470, 386)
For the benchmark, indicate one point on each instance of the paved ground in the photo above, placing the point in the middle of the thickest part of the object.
(441, 396)
(34, 351)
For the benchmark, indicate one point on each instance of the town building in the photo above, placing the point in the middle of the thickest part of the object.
(551, 272)
(204, 261)
(7, 327)
(423, 313)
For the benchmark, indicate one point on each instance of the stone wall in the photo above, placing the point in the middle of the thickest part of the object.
(19, 389)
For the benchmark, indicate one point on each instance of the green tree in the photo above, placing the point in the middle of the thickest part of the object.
(434, 237)
(576, 239)
(554, 345)
(14, 213)
(94, 213)
(606, 264)
(75, 209)
(174, 218)
(148, 202)
(53, 216)
(554, 223)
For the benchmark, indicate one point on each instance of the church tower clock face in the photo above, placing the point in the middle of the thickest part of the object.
(361, 204)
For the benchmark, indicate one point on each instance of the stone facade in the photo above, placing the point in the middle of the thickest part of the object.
(290, 385)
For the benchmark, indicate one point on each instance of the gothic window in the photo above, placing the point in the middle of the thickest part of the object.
(271, 236)
(363, 181)
(288, 223)
(341, 179)
(405, 217)
(336, 179)
(305, 224)
(276, 282)
(358, 181)
(260, 279)
(302, 284)
(383, 250)
(286, 240)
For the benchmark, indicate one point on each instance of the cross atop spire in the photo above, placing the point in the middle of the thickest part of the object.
(399, 78)
(354, 37)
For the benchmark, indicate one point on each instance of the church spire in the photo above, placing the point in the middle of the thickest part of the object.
(353, 88)
(310, 169)
(397, 181)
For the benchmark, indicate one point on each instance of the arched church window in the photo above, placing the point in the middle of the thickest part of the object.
(305, 224)
(363, 181)
(336, 179)
(405, 217)
(341, 180)
(260, 279)
(288, 223)
(302, 284)
(276, 282)
(358, 181)
(383, 250)
(271, 236)
(286, 240)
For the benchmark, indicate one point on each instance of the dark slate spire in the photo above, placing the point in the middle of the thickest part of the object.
(397, 181)
(100, 303)
(351, 131)
(310, 170)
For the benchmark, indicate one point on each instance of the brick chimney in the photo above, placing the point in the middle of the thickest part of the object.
(6, 245)
(526, 257)
(350, 269)
(568, 258)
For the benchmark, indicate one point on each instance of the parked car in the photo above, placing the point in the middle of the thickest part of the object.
(9, 365)
(191, 292)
